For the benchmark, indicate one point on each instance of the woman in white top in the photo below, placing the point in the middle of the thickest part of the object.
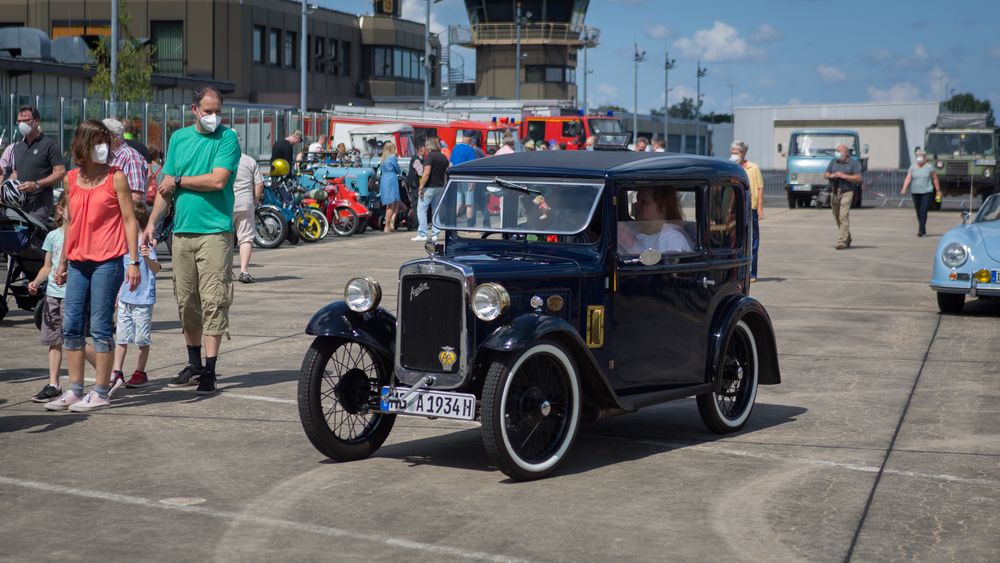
(657, 213)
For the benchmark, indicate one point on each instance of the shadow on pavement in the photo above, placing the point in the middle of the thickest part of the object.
(275, 278)
(982, 307)
(165, 325)
(44, 421)
(599, 444)
(23, 375)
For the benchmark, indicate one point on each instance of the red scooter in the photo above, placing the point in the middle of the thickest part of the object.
(340, 204)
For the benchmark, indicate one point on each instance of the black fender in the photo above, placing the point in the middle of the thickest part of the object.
(748, 309)
(376, 328)
(526, 330)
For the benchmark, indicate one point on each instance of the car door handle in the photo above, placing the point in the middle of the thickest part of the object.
(705, 282)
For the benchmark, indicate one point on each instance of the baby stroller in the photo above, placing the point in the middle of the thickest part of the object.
(21, 238)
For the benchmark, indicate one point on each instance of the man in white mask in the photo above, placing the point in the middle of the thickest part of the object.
(128, 160)
(738, 155)
(198, 176)
(844, 174)
(38, 164)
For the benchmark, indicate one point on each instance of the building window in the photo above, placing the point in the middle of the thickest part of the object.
(345, 52)
(319, 54)
(380, 65)
(290, 49)
(333, 55)
(258, 44)
(549, 74)
(168, 39)
(272, 47)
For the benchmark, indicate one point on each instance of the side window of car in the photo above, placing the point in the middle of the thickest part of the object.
(725, 218)
(570, 128)
(661, 217)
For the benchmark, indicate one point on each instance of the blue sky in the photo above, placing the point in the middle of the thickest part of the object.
(778, 52)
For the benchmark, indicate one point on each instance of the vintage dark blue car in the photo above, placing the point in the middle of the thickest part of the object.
(605, 282)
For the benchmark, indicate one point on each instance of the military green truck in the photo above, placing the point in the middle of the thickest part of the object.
(963, 149)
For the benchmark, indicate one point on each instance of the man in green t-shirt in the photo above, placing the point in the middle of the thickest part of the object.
(198, 176)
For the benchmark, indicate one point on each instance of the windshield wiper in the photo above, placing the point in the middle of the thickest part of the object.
(516, 187)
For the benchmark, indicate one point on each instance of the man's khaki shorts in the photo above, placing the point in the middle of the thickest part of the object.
(244, 225)
(203, 281)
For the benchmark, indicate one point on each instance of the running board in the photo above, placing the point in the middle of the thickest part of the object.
(640, 400)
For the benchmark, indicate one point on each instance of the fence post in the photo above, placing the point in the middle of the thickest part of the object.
(62, 122)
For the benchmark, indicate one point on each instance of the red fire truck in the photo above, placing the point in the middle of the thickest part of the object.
(570, 129)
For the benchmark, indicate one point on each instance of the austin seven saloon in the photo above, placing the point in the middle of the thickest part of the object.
(602, 283)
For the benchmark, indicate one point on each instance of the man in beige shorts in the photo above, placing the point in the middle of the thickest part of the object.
(198, 176)
(247, 191)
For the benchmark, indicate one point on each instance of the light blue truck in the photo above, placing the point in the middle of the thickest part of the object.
(809, 152)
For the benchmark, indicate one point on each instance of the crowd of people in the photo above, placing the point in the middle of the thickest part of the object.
(99, 273)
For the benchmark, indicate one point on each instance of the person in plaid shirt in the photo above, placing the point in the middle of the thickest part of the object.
(128, 160)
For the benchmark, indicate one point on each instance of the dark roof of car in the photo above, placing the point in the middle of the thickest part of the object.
(600, 164)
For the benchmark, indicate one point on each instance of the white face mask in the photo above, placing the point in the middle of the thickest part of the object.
(841, 155)
(25, 128)
(100, 153)
(735, 158)
(921, 159)
(209, 122)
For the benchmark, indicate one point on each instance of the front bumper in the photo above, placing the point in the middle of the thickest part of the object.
(972, 288)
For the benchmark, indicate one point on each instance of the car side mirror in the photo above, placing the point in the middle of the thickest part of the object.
(966, 215)
(865, 148)
(650, 257)
(779, 147)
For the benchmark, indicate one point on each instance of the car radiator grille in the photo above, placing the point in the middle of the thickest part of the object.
(813, 179)
(430, 321)
(956, 168)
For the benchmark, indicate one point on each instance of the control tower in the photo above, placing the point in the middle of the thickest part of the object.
(551, 33)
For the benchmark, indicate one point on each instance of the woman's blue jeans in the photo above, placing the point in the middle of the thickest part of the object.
(93, 286)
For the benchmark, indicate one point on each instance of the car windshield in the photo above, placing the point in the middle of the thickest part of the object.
(519, 205)
(960, 144)
(812, 144)
(990, 210)
(599, 126)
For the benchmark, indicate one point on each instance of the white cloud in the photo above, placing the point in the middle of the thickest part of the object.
(416, 10)
(830, 74)
(993, 53)
(881, 55)
(721, 43)
(767, 34)
(765, 82)
(940, 82)
(917, 59)
(900, 92)
(658, 31)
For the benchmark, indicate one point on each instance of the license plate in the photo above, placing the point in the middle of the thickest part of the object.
(802, 188)
(985, 162)
(440, 404)
(996, 276)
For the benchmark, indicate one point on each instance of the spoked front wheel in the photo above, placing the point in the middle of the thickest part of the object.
(339, 386)
(728, 409)
(531, 410)
(345, 221)
(271, 227)
(311, 225)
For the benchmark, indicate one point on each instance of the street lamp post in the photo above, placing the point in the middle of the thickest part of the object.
(114, 48)
(697, 109)
(668, 65)
(588, 43)
(636, 59)
(427, 54)
(519, 21)
(303, 58)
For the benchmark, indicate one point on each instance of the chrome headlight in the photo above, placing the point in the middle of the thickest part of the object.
(988, 173)
(939, 164)
(954, 255)
(489, 301)
(362, 294)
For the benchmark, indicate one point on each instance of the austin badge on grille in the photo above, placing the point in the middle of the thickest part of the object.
(447, 357)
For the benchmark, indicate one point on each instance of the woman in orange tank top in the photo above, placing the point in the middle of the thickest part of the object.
(101, 230)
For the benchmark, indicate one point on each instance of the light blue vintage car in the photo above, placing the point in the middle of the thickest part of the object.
(967, 261)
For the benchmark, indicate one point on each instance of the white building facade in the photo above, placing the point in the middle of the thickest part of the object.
(891, 131)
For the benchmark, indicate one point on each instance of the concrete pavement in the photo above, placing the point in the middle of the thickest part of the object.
(882, 443)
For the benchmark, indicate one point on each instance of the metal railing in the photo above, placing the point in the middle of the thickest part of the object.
(879, 187)
(506, 33)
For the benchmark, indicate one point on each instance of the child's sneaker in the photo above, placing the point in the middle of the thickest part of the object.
(117, 381)
(90, 402)
(66, 400)
(138, 379)
(48, 393)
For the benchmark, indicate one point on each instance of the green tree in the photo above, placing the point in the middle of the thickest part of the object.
(135, 69)
(683, 109)
(967, 103)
